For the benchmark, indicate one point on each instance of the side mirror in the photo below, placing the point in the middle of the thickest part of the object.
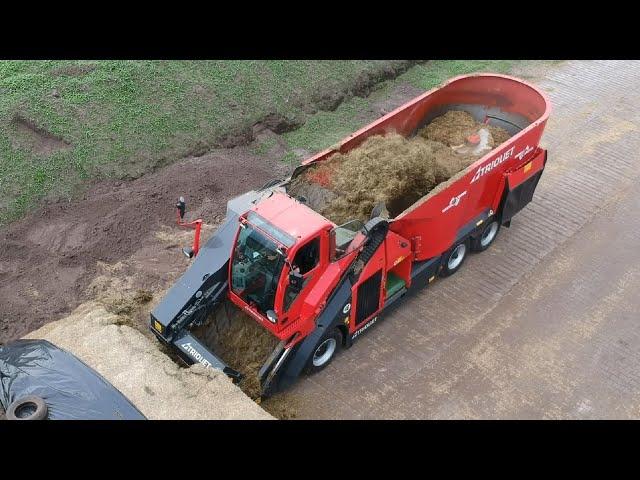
(295, 281)
(271, 316)
(181, 206)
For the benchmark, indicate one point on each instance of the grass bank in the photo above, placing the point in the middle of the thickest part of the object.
(63, 123)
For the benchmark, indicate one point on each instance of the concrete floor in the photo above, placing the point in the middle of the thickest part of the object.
(546, 323)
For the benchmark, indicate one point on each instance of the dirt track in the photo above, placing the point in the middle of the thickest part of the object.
(545, 323)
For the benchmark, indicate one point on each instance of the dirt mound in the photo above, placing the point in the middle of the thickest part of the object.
(132, 362)
(49, 258)
(392, 169)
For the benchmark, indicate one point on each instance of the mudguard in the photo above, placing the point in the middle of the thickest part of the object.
(521, 184)
(331, 316)
(516, 199)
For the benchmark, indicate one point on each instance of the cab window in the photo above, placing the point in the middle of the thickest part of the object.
(308, 256)
(305, 260)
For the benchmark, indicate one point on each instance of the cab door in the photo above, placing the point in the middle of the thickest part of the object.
(307, 261)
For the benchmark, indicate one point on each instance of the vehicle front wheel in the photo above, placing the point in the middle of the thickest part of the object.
(454, 258)
(325, 351)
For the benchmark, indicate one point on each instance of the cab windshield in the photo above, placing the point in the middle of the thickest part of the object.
(255, 268)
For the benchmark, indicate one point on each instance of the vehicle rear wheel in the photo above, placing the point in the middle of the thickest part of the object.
(30, 407)
(325, 351)
(454, 258)
(486, 238)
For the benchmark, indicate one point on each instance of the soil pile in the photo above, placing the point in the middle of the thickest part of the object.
(50, 258)
(238, 340)
(392, 169)
(133, 364)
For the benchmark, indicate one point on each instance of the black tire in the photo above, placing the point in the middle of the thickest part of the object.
(30, 407)
(333, 337)
(454, 258)
(486, 237)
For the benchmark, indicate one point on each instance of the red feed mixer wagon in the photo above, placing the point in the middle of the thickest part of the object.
(318, 286)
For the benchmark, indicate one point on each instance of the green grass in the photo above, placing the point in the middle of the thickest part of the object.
(125, 118)
(327, 128)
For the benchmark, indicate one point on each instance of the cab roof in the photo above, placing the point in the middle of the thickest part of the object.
(291, 216)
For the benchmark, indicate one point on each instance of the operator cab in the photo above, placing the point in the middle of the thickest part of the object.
(280, 252)
(257, 264)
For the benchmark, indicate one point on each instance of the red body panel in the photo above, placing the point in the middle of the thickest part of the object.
(436, 219)
(491, 90)
(291, 216)
(427, 222)
(430, 226)
(398, 250)
(525, 170)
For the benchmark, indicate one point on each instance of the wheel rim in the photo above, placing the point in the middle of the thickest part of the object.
(456, 257)
(26, 410)
(489, 234)
(324, 352)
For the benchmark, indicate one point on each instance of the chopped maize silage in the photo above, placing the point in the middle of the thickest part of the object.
(391, 169)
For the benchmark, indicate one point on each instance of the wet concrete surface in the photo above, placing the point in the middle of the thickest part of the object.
(544, 324)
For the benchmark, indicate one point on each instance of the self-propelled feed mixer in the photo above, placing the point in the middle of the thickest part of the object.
(313, 279)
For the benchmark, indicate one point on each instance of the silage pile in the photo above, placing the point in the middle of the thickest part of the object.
(455, 126)
(240, 342)
(133, 364)
(391, 169)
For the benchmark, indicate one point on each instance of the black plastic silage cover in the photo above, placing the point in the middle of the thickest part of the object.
(71, 390)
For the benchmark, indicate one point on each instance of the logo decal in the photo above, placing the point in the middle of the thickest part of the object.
(195, 354)
(524, 152)
(490, 165)
(367, 325)
(346, 308)
(454, 201)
